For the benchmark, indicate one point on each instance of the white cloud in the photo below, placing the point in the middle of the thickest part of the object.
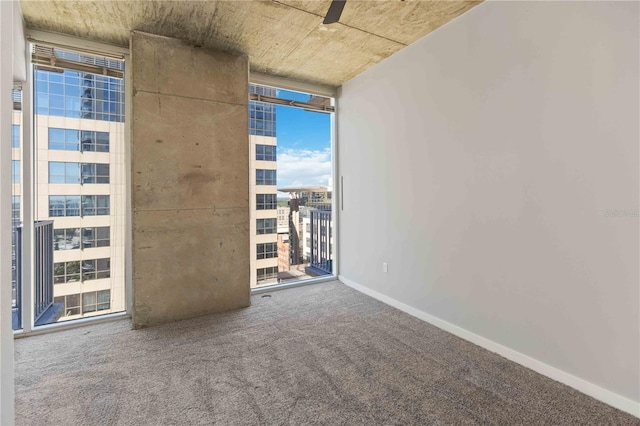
(303, 167)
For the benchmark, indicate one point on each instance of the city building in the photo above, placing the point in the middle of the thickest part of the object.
(263, 202)
(283, 219)
(79, 182)
(305, 233)
(283, 253)
(310, 235)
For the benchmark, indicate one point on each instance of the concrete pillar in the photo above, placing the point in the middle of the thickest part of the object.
(190, 180)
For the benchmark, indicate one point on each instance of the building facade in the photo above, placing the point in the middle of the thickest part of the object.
(310, 240)
(283, 219)
(263, 196)
(283, 252)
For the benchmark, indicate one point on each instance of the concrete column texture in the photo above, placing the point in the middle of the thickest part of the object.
(190, 180)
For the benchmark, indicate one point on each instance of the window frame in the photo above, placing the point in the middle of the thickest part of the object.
(97, 303)
(15, 135)
(95, 173)
(266, 177)
(262, 274)
(15, 171)
(336, 193)
(266, 226)
(66, 275)
(68, 175)
(263, 250)
(66, 239)
(66, 205)
(94, 205)
(96, 230)
(266, 152)
(65, 141)
(266, 201)
(98, 271)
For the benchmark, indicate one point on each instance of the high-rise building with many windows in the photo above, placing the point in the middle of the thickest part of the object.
(263, 192)
(78, 177)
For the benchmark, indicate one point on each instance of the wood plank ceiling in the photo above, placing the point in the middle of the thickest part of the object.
(284, 38)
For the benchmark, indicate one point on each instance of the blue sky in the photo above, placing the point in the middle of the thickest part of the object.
(304, 144)
(297, 128)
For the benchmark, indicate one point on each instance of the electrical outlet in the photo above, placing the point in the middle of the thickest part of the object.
(385, 267)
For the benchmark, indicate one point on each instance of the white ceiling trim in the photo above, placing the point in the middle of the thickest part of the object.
(295, 85)
(52, 39)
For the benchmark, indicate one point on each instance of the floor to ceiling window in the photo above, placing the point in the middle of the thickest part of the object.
(291, 186)
(76, 253)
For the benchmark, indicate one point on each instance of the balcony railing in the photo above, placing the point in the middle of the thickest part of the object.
(44, 310)
(43, 270)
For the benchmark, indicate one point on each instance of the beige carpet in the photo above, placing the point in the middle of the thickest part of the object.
(321, 354)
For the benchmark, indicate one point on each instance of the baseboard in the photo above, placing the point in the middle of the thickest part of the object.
(594, 391)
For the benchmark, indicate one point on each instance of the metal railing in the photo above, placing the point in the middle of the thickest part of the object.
(43, 268)
(43, 271)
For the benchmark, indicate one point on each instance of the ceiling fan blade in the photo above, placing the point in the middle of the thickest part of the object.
(335, 10)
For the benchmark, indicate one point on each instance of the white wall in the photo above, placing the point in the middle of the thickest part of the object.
(481, 163)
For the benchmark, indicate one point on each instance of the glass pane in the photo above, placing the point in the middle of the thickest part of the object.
(42, 100)
(88, 270)
(71, 136)
(81, 214)
(15, 171)
(89, 301)
(72, 173)
(55, 77)
(56, 206)
(15, 136)
(88, 173)
(72, 205)
(103, 232)
(42, 86)
(56, 101)
(56, 88)
(102, 169)
(104, 300)
(56, 172)
(104, 264)
(72, 92)
(88, 237)
(104, 296)
(56, 136)
(73, 300)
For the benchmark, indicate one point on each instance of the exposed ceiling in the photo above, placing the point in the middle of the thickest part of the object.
(283, 38)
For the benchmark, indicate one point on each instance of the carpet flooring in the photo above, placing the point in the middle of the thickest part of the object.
(319, 354)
